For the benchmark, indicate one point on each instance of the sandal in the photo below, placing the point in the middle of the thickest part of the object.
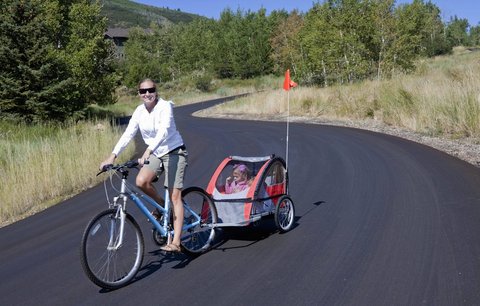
(171, 248)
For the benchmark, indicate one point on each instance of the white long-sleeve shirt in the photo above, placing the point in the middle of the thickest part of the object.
(158, 129)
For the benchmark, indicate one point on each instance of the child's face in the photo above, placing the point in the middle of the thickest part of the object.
(238, 175)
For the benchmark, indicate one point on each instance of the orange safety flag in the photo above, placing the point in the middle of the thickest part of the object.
(287, 83)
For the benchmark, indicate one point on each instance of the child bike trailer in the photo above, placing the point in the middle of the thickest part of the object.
(245, 189)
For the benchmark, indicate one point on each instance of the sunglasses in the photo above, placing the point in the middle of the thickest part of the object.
(145, 90)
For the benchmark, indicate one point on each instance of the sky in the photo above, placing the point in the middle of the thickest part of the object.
(469, 9)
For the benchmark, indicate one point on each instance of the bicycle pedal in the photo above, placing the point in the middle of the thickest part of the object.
(158, 239)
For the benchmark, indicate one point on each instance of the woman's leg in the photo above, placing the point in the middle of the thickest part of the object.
(176, 196)
(175, 164)
(144, 182)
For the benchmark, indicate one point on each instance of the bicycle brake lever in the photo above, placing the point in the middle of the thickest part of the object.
(104, 169)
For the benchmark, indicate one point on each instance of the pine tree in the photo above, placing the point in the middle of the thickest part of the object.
(54, 59)
(33, 81)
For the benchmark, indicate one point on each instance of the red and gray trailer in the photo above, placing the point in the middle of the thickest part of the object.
(264, 193)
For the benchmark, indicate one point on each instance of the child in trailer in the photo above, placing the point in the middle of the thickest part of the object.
(239, 180)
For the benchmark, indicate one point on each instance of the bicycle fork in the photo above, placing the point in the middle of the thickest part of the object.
(116, 234)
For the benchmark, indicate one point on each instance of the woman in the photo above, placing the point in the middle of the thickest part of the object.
(155, 120)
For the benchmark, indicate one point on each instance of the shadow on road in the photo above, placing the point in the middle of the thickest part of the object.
(251, 234)
(315, 205)
(162, 258)
(255, 232)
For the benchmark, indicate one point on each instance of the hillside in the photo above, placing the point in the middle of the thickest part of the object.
(127, 14)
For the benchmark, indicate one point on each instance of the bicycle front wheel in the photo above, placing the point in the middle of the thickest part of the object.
(107, 261)
(198, 239)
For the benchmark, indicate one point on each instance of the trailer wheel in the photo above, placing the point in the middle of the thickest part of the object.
(284, 214)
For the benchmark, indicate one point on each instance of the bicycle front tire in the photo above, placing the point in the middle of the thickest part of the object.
(199, 239)
(111, 268)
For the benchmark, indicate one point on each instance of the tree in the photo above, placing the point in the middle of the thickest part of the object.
(33, 80)
(286, 44)
(54, 60)
(149, 54)
(405, 33)
(88, 55)
(337, 50)
(195, 45)
(407, 45)
(223, 66)
(258, 31)
(384, 37)
(243, 44)
(457, 31)
(434, 38)
(474, 36)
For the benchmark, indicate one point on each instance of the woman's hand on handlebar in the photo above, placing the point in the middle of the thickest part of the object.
(143, 160)
(107, 162)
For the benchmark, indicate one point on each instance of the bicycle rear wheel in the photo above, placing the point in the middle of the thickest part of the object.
(108, 266)
(198, 239)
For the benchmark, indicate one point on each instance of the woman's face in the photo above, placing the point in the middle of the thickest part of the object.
(147, 92)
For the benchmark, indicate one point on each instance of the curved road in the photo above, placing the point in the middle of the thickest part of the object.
(380, 221)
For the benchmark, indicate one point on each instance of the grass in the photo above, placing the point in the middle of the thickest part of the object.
(42, 164)
(442, 98)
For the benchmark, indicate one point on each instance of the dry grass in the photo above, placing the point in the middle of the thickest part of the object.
(441, 98)
(40, 165)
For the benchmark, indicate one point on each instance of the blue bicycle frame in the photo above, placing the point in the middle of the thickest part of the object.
(162, 228)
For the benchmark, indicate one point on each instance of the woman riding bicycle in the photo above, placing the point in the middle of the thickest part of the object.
(166, 150)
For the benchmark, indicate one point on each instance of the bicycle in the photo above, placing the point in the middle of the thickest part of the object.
(112, 244)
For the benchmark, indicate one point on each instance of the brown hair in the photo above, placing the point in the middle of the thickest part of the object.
(147, 80)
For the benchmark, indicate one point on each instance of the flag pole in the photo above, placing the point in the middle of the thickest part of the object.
(287, 84)
(288, 128)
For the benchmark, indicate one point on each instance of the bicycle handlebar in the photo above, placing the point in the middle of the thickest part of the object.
(129, 164)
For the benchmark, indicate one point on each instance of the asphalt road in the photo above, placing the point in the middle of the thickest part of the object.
(379, 221)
